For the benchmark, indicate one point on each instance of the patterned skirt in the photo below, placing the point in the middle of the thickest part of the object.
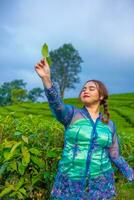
(98, 188)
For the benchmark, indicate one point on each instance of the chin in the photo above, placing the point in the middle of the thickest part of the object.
(87, 102)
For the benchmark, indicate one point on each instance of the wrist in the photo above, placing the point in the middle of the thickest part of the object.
(46, 78)
(47, 82)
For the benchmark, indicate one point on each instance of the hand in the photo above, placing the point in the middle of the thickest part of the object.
(43, 70)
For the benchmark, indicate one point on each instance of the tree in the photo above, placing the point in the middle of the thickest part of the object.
(35, 93)
(7, 87)
(18, 95)
(66, 66)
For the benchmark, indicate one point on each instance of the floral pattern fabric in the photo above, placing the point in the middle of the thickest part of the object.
(102, 187)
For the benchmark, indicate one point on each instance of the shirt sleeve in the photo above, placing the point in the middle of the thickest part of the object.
(61, 111)
(117, 159)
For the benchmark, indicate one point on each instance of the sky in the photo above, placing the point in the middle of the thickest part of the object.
(102, 31)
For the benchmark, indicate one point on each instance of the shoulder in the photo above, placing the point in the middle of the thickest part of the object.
(75, 108)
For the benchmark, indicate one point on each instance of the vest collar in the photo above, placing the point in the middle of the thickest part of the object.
(86, 112)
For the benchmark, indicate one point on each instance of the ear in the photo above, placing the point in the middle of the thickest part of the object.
(101, 98)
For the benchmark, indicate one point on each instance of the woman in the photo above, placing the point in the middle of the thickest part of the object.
(90, 143)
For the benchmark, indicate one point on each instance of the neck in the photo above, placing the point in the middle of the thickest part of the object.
(93, 109)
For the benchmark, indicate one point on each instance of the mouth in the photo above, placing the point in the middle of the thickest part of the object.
(85, 96)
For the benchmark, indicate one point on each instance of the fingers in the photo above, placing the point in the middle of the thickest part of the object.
(42, 61)
(38, 65)
(41, 64)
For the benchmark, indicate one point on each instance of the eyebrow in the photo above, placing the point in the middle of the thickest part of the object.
(89, 87)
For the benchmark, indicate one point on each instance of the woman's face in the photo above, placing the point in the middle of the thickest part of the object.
(90, 94)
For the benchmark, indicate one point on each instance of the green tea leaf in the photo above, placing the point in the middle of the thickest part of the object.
(17, 133)
(8, 144)
(13, 194)
(23, 191)
(38, 161)
(47, 175)
(21, 168)
(35, 151)
(10, 154)
(25, 139)
(6, 190)
(14, 147)
(51, 154)
(45, 54)
(20, 183)
(49, 61)
(35, 179)
(26, 156)
(44, 51)
(13, 166)
(3, 168)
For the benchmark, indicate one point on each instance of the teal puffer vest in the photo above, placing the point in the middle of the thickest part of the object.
(85, 147)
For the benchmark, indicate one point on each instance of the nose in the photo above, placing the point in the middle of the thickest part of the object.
(86, 93)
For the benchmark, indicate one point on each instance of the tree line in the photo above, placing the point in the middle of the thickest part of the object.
(15, 91)
(66, 65)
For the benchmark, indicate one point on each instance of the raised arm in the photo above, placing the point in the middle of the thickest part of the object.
(62, 112)
(117, 159)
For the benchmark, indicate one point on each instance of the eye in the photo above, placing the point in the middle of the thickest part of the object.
(83, 89)
(92, 89)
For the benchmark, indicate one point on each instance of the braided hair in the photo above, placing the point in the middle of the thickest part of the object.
(103, 91)
(106, 111)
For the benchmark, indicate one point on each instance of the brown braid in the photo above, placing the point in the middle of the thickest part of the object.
(106, 111)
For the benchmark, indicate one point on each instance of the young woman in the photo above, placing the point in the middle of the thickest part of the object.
(90, 143)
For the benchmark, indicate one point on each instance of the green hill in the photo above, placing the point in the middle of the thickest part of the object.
(121, 108)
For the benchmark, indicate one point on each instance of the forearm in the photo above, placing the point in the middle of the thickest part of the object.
(117, 158)
(52, 93)
(63, 112)
(124, 167)
(47, 82)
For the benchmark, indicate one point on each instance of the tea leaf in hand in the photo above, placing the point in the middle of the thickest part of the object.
(44, 51)
(45, 54)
